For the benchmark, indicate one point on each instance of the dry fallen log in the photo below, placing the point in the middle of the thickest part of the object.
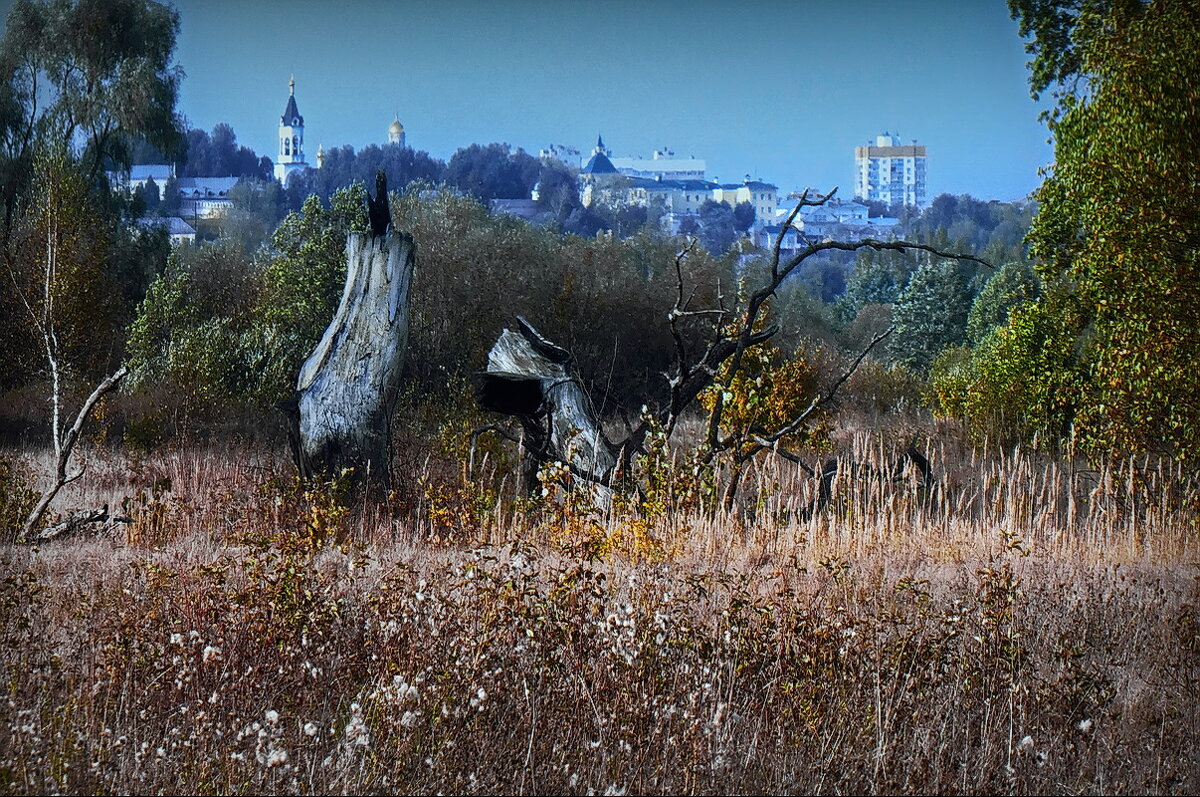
(348, 386)
(78, 521)
(530, 378)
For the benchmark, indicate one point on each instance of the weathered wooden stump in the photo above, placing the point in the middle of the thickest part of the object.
(530, 378)
(348, 386)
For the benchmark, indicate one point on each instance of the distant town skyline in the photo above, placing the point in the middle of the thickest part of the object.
(778, 91)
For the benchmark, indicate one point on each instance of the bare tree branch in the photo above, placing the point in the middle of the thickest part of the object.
(794, 424)
(64, 447)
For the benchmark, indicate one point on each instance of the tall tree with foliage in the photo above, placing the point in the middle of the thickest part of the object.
(220, 155)
(60, 278)
(495, 171)
(717, 226)
(931, 314)
(96, 75)
(83, 80)
(877, 278)
(743, 217)
(1110, 351)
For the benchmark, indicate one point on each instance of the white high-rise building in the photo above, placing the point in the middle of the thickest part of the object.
(290, 158)
(890, 172)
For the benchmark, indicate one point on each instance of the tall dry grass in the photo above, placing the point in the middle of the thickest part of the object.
(1028, 625)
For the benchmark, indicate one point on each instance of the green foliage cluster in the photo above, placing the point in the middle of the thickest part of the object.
(99, 69)
(219, 155)
(221, 326)
(96, 269)
(1108, 352)
(928, 302)
(1011, 287)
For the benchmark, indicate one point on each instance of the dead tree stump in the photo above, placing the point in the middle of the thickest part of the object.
(530, 378)
(348, 386)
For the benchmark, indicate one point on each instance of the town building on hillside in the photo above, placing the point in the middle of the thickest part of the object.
(179, 231)
(598, 177)
(290, 158)
(765, 236)
(764, 197)
(600, 180)
(836, 211)
(662, 165)
(676, 197)
(836, 219)
(141, 174)
(890, 172)
(205, 197)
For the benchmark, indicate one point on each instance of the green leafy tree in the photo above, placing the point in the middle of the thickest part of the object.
(301, 287)
(219, 155)
(189, 337)
(743, 217)
(717, 226)
(558, 191)
(151, 197)
(170, 198)
(95, 71)
(255, 214)
(59, 274)
(495, 171)
(1110, 350)
(877, 278)
(931, 314)
(1011, 287)
(86, 81)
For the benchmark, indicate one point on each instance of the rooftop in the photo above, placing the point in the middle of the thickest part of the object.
(599, 164)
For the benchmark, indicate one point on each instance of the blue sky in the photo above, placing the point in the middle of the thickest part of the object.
(782, 90)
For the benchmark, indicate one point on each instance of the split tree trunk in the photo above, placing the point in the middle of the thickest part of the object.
(349, 384)
(529, 377)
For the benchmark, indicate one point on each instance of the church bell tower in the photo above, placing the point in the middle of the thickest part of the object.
(290, 158)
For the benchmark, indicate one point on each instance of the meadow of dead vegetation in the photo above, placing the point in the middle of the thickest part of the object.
(1026, 625)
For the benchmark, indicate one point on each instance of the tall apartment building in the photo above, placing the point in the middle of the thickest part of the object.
(890, 172)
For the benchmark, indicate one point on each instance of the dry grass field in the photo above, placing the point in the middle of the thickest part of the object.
(1028, 625)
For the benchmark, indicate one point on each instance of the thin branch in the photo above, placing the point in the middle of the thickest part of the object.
(775, 449)
(493, 427)
(769, 439)
(802, 202)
